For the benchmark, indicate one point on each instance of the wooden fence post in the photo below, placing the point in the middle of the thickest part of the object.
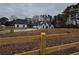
(12, 29)
(43, 44)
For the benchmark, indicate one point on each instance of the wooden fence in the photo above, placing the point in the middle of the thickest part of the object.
(50, 49)
(43, 49)
(47, 50)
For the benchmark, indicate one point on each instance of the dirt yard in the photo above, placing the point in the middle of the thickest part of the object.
(38, 32)
(23, 46)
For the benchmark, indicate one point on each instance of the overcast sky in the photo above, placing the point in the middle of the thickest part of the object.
(23, 10)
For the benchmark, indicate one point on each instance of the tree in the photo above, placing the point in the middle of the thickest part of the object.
(50, 17)
(72, 11)
(59, 20)
(9, 23)
(54, 21)
(3, 20)
(35, 18)
(30, 25)
(13, 17)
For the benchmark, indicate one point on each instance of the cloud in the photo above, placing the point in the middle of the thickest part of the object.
(29, 9)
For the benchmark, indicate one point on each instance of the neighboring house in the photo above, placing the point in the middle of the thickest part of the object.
(43, 25)
(20, 23)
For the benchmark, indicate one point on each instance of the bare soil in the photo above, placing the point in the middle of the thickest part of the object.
(23, 47)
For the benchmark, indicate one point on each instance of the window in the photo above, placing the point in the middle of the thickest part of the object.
(17, 25)
(46, 26)
(43, 26)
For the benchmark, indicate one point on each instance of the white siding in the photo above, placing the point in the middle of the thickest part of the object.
(20, 26)
(15, 25)
(78, 22)
(74, 22)
(25, 26)
(43, 26)
(51, 27)
(35, 27)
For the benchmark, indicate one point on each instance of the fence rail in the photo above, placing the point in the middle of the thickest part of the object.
(51, 49)
(43, 37)
(76, 53)
(25, 39)
(43, 50)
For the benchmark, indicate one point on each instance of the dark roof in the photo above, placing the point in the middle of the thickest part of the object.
(20, 21)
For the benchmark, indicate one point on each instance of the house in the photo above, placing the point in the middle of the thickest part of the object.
(20, 23)
(43, 25)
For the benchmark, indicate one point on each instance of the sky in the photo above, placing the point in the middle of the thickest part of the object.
(22, 10)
